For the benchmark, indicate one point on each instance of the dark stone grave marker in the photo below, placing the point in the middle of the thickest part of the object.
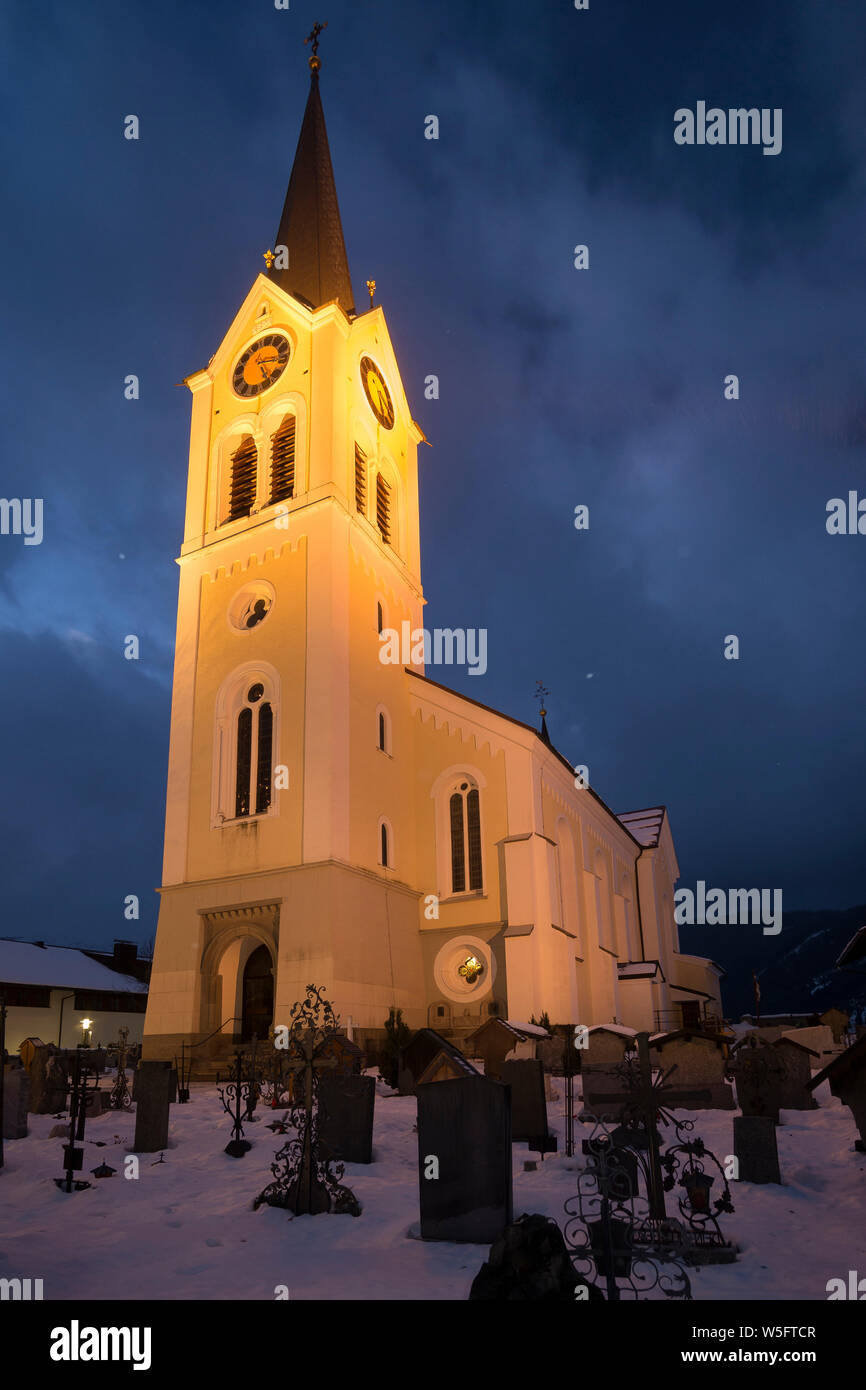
(49, 1075)
(758, 1070)
(152, 1106)
(172, 1097)
(755, 1148)
(16, 1097)
(528, 1102)
(346, 1117)
(464, 1159)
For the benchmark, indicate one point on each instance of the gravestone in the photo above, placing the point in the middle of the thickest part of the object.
(604, 1090)
(152, 1107)
(551, 1053)
(346, 1117)
(819, 1038)
(758, 1071)
(16, 1097)
(172, 1083)
(464, 1159)
(447, 1066)
(528, 1106)
(794, 1093)
(755, 1149)
(698, 1081)
(93, 1104)
(49, 1075)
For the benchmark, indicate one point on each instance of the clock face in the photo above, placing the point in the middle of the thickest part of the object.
(377, 393)
(261, 365)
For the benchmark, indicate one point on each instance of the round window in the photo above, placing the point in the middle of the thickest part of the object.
(251, 605)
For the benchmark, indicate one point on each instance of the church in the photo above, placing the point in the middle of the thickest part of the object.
(332, 817)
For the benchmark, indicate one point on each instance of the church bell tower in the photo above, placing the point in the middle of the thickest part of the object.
(300, 544)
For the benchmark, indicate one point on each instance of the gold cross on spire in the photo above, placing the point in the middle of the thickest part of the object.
(313, 38)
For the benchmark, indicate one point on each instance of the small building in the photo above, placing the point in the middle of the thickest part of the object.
(493, 1041)
(50, 990)
(417, 1055)
(447, 1066)
(699, 1061)
(796, 1079)
(847, 1077)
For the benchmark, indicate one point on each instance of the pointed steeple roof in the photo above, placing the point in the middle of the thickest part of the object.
(310, 226)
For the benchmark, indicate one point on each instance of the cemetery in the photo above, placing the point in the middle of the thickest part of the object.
(708, 1166)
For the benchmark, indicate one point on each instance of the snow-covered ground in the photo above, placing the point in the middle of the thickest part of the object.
(186, 1229)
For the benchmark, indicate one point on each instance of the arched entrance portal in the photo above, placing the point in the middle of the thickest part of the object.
(258, 995)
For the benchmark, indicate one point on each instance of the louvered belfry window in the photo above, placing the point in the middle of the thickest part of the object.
(383, 508)
(465, 821)
(360, 480)
(243, 486)
(283, 461)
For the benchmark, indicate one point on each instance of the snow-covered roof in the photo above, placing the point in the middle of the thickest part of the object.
(644, 825)
(638, 970)
(613, 1028)
(62, 967)
(530, 1029)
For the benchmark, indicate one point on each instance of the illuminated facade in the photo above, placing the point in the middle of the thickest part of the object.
(334, 819)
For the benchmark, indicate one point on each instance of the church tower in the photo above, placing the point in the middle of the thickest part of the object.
(301, 543)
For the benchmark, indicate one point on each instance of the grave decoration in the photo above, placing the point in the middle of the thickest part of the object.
(305, 1180)
(235, 1096)
(630, 1231)
(119, 1097)
(82, 1081)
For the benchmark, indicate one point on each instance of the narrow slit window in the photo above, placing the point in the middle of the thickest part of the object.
(474, 837)
(243, 479)
(458, 854)
(244, 757)
(380, 619)
(360, 480)
(382, 732)
(283, 461)
(383, 508)
(263, 771)
(384, 846)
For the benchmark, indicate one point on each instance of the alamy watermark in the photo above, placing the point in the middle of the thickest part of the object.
(736, 126)
(444, 646)
(22, 516)
(737, 907)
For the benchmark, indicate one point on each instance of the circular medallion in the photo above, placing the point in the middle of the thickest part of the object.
(261, 364)
(377, 393)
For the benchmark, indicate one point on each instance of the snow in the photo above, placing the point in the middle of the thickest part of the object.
(22, 963)
(613, 1028)
(531, 1029)
(186, 1229)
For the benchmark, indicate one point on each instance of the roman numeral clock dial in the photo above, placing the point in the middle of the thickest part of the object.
(263, 362)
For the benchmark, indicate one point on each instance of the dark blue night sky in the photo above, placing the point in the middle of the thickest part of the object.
(558, 387)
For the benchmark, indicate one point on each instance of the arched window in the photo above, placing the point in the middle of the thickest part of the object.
(383, 730)
(383, 508)
(465, 821)
(567, 877)
(283, 461)
(255, 736)
(360, 480)
(386, 848)
(242, 493)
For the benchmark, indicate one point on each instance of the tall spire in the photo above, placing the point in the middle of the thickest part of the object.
(310, 227)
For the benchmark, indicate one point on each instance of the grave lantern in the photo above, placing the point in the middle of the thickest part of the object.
(697, 1187)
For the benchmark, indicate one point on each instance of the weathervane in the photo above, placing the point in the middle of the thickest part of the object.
(541, 693)
(371, 286)
(313, 38)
